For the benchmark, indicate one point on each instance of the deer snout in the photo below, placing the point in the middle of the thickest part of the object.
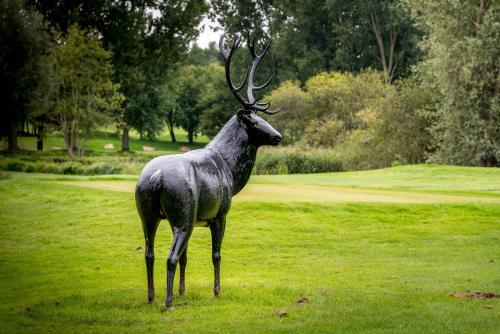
(276, 139)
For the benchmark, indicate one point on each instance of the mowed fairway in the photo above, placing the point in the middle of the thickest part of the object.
(377, 251)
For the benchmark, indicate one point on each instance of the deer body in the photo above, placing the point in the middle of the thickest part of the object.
(195, 188)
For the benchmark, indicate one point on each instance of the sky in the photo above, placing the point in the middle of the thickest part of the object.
(208, 35)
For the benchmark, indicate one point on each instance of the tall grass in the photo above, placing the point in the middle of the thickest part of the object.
(287, 160)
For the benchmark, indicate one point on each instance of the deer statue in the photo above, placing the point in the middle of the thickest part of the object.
(196, 188)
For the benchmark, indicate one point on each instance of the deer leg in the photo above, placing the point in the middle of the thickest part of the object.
(217, 228)
(179, 244)
(149, 228)
(182, 276)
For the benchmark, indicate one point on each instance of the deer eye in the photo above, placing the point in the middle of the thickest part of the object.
(251, 121)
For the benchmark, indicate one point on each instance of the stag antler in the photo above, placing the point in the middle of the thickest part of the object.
(249, 103)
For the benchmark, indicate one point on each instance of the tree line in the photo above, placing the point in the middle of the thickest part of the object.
(377, 81)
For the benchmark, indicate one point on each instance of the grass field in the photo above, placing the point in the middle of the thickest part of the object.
(373, 252)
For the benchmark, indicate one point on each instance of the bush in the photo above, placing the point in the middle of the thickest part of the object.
(16, 166)
(295, 112)
(104, 168)
(84, 167)
(73, 168)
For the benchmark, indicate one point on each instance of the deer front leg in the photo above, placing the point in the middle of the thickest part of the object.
(217, 227)
(179, 244)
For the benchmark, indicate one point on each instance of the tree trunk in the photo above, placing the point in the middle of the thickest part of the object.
(39, 137)
(67, 142)
(388, 65)
(172, 135)
(170, 126)
(72, 144)
(125, 139)
(12, 137)
(190, 136)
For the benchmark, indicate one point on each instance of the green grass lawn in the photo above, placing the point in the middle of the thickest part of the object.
(71, 258)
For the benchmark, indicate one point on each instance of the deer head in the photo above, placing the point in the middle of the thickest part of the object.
(259, 131)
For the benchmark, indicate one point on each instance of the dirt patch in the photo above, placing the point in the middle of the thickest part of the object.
(282, 313)
(303, 301)
(474, 295)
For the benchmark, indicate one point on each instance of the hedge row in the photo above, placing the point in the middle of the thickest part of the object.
(72, 167)
(290, 161)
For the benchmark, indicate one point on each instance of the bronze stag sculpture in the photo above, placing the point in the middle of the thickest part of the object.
(195, 188)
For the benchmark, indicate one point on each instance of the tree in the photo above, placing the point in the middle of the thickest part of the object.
(217, 101)
(145, 47)
(395, 34)
(201, 57)
(85, 96)
(319, 35)
(341, 96)
(399, 125)
(61, 15)
(24, 45)
(190, 86)
(295, 112)
(462, 68)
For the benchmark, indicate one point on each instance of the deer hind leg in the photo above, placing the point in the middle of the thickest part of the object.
(217, 227)
(182, 274)
(179, 244)
(149, 227)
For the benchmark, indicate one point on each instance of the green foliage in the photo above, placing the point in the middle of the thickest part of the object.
(202, 57)
(323, 133)
(366, 121)
(190, 84)
(145, 48)
(85, 96)
(342, 95)
(24, 44)
(295, 111)
(461, 67)
(217, 101)
(402, 122)
(201, 99)
(317, 36)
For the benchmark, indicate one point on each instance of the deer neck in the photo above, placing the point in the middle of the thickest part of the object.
(232, 143)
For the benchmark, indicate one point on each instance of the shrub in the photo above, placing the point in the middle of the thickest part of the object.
(104, 168)
(73, 168)
(295, 112)
(15, 166)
